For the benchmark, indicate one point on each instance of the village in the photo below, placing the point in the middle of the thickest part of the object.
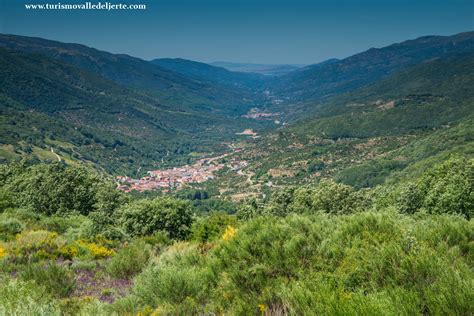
(176, 178)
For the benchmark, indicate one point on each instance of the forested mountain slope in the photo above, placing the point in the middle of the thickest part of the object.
(49, 104)
(168, 86)
(212, 74)
(316, 82)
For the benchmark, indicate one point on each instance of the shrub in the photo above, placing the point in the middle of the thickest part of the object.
(159, 239)
(32, 246)
(11, 227)
(210, 227)
(20, 297)
(129, 260)
(145, 217)
(61, 224)
(57, 189)
(6, 199)
(57, 280)
(249, 209)
(177, 281)
(104, 217)
(367, 263)
(93, 250)
(328, 196)
(446, 188)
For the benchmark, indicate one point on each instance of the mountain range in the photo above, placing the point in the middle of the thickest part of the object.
(125, 115)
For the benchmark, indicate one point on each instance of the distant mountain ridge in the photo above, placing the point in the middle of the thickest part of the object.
(316, 82)
(168, 86)
(212, 74)
(264, 69)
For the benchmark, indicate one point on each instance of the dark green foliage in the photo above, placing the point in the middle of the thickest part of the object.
(315, 165)
(57, 280)
(249, 209)
(211, 227)
(61, 224)
(53, 189)
(369, 174)
(104, 217)
(446, 188)
(328, 196)
(145, 217)
(10, 227)
(6, 199)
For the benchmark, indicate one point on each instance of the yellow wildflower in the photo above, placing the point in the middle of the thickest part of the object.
(262, 308)
(97, 251)
(69, 251)
(229, 233)
(3, 252)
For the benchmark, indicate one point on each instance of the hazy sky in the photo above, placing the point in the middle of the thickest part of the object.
(261, 31)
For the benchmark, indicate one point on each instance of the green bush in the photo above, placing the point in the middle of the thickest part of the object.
(11, 227)
(25, 298)
(177, 281)
(57, 280)
(6, 199)
(129, 260)
(62, 224)
(328, 196)
(56, 189)
(211, 227)
(445, 188)
(145, 217)
(249, 209)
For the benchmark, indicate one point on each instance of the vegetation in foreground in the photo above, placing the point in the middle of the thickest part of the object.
(72, 244)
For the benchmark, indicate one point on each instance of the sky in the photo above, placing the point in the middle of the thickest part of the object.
(253, 31)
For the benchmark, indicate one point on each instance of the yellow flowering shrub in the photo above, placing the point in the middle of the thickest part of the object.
(95, 250)
(44, 245)
(229, 233)
(3, 252)
(35, 245)
(69, 251)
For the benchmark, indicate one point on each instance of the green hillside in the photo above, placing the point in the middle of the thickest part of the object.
(170, 87)
(321, 81)
(388, 130)
(82, 116)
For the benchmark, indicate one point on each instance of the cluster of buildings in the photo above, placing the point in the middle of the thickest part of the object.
(175, 178)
